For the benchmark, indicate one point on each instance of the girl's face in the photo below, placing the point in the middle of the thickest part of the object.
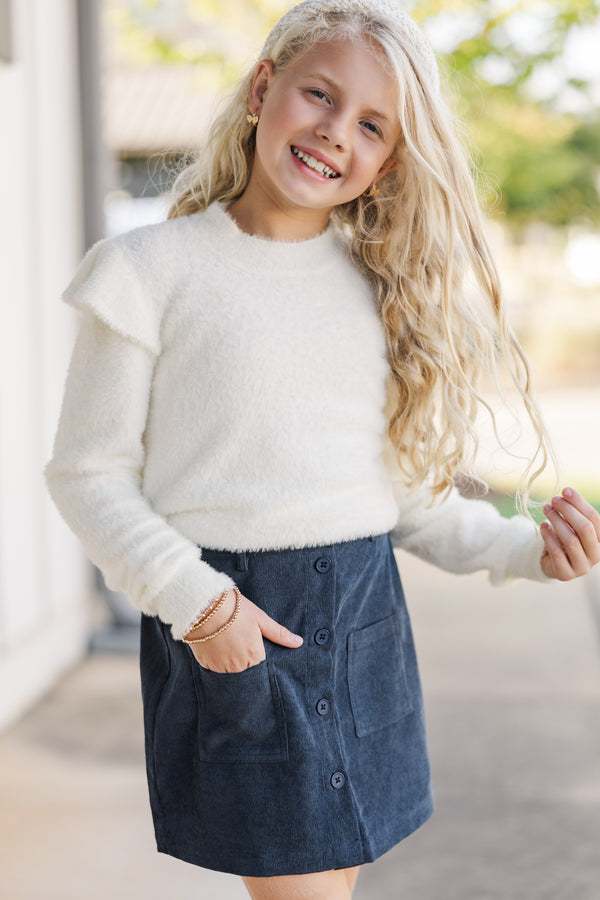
(328, 124)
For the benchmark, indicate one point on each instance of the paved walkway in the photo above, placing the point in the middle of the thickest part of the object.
(512, 685)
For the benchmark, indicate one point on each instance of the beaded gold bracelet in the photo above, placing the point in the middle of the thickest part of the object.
(209, 613)
(209, 637)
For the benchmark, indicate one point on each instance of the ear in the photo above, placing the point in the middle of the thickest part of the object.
(260, 83)
(387, 167)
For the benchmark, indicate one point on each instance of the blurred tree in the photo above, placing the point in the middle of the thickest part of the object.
(222, 36)
(535, 122)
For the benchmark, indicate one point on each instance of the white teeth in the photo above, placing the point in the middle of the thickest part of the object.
(315, 164)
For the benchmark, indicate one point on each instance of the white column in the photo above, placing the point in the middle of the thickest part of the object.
(45, 581)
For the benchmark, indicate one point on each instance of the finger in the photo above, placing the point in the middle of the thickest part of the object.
(569, 541)
(278, 633)
(581, 525)
(573, 497)
(230, 664)
(243, 658)
(559, 566)
(236, 669)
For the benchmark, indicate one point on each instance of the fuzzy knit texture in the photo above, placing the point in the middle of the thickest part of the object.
(229, 392)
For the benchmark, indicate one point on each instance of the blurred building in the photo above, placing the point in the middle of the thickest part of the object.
(45, 581)
(153, 116)
(163, 67)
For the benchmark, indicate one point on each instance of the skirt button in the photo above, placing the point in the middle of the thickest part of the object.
(323, 707)
(322, 636)
(338, 780)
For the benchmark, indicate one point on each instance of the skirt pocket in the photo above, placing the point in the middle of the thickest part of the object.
(240, 715)
(376, 677)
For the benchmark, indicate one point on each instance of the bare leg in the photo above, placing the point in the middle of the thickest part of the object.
(351, 876)
(336, 884)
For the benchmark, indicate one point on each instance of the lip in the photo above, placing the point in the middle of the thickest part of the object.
(318, 156)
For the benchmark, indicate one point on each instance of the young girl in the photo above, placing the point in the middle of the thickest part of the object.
(266, 390)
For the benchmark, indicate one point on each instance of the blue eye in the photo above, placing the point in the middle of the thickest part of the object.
(370, 126)
(316, 92)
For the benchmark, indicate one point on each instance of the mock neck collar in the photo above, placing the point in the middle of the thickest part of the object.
(249, 251)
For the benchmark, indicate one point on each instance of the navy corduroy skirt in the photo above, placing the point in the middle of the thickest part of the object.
(314, 759)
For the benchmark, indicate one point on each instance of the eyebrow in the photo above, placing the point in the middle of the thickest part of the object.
(336, 87)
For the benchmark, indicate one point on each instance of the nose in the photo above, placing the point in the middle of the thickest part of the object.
(334, 129)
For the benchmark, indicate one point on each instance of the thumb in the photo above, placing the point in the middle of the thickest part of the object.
(277, 633)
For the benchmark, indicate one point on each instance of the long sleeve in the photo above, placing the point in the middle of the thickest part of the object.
(95, 477)
(464, 535)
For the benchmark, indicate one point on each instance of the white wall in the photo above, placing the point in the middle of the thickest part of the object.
(45, 581)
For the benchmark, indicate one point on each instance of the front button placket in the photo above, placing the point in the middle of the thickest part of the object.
(324, 605)
(327, 707)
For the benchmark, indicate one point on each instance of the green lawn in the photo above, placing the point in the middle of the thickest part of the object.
(505, 503)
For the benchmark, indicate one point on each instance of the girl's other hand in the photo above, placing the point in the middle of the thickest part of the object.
(241, 645)
(571, 536)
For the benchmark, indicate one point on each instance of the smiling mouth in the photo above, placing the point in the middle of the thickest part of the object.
(315, 164)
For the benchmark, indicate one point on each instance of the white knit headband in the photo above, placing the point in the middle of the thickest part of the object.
(386, 11)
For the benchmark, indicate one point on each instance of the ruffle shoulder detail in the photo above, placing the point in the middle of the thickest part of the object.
(117, 281)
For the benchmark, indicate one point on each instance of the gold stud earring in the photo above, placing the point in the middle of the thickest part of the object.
(372, 191)
(252, 119)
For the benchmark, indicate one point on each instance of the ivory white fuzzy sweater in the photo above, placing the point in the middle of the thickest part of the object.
(228, 391)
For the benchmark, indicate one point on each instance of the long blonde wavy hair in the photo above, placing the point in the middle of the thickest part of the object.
(417, 242)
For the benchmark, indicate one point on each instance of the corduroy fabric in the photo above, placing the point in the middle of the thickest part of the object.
(314, 759)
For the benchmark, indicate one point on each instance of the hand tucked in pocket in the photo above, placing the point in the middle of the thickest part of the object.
(241, 645)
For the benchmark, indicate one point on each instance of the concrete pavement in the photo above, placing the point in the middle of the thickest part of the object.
(512, 687)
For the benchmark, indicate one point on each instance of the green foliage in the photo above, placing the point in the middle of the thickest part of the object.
(541, 158)
(221, 35)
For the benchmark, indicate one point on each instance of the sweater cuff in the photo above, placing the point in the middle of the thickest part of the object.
(525, 558)
(188, 594)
